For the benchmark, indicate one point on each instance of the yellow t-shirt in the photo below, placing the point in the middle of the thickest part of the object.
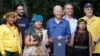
(9, 39)
(93, 27)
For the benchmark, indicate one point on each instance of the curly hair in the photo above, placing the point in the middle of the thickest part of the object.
(8, 14)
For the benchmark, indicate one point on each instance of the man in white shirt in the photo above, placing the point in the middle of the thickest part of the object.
(68, 15)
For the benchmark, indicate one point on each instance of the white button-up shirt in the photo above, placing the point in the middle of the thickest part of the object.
(73, 24)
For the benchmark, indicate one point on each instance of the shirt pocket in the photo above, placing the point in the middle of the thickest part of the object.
(52, 29)
(7, 35)
(92, 26)
(62, 29)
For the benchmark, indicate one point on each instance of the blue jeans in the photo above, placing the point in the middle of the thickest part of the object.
(11, 53)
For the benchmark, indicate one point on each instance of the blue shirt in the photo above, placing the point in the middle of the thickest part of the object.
(61, 29)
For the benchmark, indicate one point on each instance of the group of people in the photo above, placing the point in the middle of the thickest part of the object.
(21, 37)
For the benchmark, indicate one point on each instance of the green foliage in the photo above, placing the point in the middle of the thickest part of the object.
(45, 7)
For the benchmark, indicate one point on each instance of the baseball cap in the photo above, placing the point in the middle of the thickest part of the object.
(88, 5)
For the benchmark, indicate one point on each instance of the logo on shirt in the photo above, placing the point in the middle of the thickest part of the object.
(22, 25)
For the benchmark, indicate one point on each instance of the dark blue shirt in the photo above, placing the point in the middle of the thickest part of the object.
(22, 25)
(61, 29)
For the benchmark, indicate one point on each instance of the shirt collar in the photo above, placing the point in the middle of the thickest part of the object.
(67, 18)
(93, 18)
(11, 27)
(55, 21)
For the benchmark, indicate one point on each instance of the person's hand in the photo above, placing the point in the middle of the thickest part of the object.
(93, 48)
(20, 54)
(3, 55)
(93, 45)
(59, 37)
(48, 49)
(36, 42)
(51, 40)
(67, 41)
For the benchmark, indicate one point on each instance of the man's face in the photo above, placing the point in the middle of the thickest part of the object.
(20, 10)
(58, 12)
(69, 10)
(88, 11)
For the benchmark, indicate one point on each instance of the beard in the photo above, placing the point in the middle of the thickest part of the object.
(21, 14)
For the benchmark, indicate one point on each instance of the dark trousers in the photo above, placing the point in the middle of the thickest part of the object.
(80, 52)
(11, 53)
(52, 49)
(69, 51)
(51, 53)
(0, 54)
(96, 54)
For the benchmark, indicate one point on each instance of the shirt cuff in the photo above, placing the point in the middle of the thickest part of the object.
(20, 52)
(67, 37)
(2, 52)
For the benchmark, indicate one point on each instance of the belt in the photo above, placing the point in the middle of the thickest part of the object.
(81, 47)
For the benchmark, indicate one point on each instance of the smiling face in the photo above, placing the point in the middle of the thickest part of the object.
(20, 10)
(57, 11)
(10, 17)
(69, 9)
(82, 25)
(88, 11)
(38, 24)
(11, 20)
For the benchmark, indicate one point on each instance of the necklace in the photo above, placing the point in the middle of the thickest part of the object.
(12, 30)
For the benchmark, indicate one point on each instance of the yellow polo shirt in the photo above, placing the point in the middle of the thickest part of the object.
(9, 39)
(93, 27)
